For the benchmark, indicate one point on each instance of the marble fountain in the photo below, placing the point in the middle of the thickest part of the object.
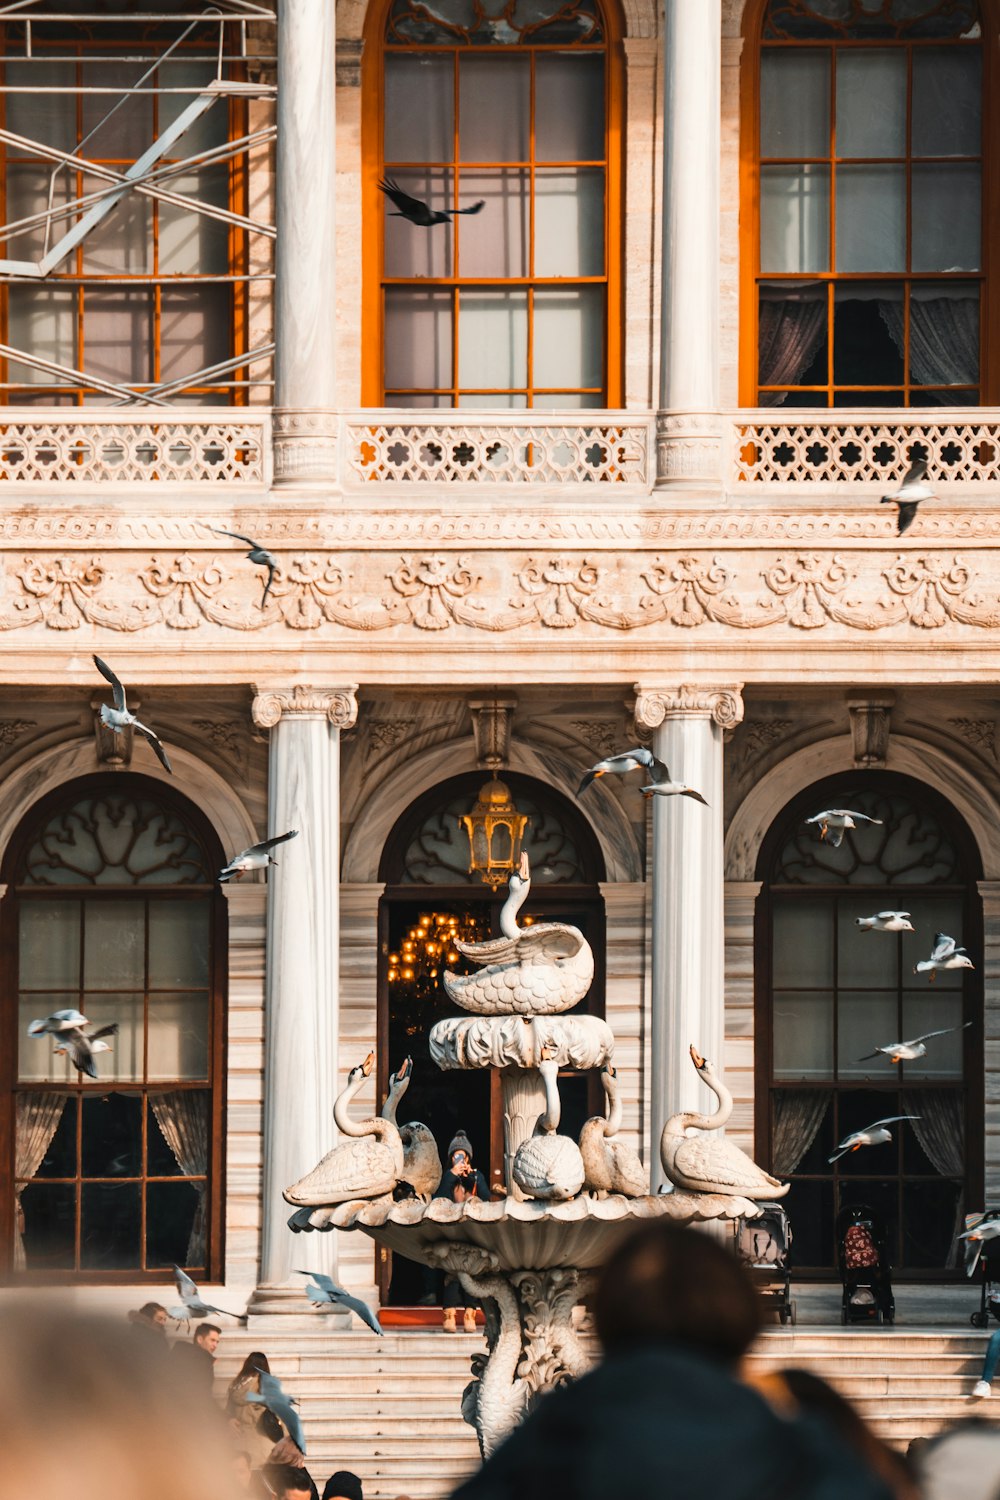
(527, 1256)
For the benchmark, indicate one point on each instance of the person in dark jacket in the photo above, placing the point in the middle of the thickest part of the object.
(197, 1359)
(461, 1180)
(664, 1413)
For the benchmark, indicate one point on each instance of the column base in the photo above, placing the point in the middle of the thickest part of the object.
(290, 1307)
(306, 449)
(689, 452)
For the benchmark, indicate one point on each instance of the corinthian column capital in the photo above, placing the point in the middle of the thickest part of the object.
(338, 705)
(723, 705)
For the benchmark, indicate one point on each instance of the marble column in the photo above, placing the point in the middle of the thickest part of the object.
(688, 433)
(688, 945)
(303, 952)
(305, 285)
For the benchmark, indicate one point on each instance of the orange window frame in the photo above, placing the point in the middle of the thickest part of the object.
(76, 278)
(750, 218)
(373, 208)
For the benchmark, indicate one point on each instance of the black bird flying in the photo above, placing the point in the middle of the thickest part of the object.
(420, 213)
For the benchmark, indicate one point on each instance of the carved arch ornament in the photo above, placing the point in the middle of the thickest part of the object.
(773, 791)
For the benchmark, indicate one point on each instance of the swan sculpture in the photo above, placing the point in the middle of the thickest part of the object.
(704, 1164)
(548, 1165)
(609, 1165)
(534, 971)
(421, 1162)
(367, 1165)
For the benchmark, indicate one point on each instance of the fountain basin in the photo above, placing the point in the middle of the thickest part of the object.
(579, 1042)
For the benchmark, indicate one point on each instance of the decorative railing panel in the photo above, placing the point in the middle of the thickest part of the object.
(111, 447)
(828, 450)
(520, 449)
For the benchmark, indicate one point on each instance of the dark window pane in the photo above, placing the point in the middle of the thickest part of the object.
(110, 1223)
(944, 398)
(868, 335)
(931, 1220)
(809, 1206)
(60, 1158)
(49, 1213)
(112, 1136)
(792, 398)
(869, 398)
(170, 1214)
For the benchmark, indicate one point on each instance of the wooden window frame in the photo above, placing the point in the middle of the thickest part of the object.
(73, 276)
(373, 389)
(140, 786)
(973, 1081)
(750, 218)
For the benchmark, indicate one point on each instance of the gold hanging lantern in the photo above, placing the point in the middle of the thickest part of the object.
(495, 829)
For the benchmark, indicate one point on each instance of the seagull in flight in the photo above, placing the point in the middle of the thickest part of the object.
(118, 718)
(872, 1135)
(885, 921)
(418, 212)
(80, 1046)
(194, 1305)
(280, 1404)
(258, 555)
(835, 820)
(327, 1291)
(640, 759)
(909, 495)
(976, 1239)
(59, 1020)
(257, 857)
(945, 954)
(914, 1048)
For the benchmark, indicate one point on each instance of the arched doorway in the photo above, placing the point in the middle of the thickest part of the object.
(429, 897)
(112, 908)
(827, 994)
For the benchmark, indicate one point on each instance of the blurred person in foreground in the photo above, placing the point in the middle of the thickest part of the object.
(289, 1482)
(800, 1392)
(962, 1463)
(149, 1323)
(90, 1413)
(664, 1413)
(255, 1428)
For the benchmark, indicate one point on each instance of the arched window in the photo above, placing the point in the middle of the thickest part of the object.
(829, 993)
(429, 898)
(102, 293)
(865, 262)
(112, 909)
(515, 106)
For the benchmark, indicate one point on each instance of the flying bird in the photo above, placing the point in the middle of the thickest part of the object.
(914, 1048)
(59, 1020)
(280, 1404)
(885, 921)
(909, 495)
(327, 1291)
(976, 1240)
(418, 212)
(194, 1305)
(872, 1135)
(835, 820)
(945, 954)
(258, 555)
(79, 1046)
(118, 719)
(640, 759)
(257, 857)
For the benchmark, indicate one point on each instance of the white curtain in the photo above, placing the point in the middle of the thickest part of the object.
(38, 1117)
(940, 1132)
(798, 1114)
(944, 337)
(183, 1118)
(790, 328)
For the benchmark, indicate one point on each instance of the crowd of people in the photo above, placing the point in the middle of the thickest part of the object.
(105, 1412)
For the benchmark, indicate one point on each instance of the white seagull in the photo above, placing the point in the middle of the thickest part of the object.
(257, 554)
(885, 921)
(909, 495)
(326, 1291)
(119, 719)
(59, 1020)
(194, 1304)
(872, 1135)
(914, 1048)
(257, 857)
(79, 1046)
(945, 954)
(640, 759)
(835, 820)
(280, 1404)
(978, 1236)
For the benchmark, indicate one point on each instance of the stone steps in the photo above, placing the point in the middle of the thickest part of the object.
(389, 1408)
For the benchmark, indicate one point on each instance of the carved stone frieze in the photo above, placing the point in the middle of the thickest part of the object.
(689, 449)
(11, 730)
(229, 736)
(338, 705)
(385, 734)
(305, 446)
(981, 734)
(756, 738)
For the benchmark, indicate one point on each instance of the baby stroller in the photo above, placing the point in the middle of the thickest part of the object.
(987, 1254)
(763, 1245)
(863, 1259)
